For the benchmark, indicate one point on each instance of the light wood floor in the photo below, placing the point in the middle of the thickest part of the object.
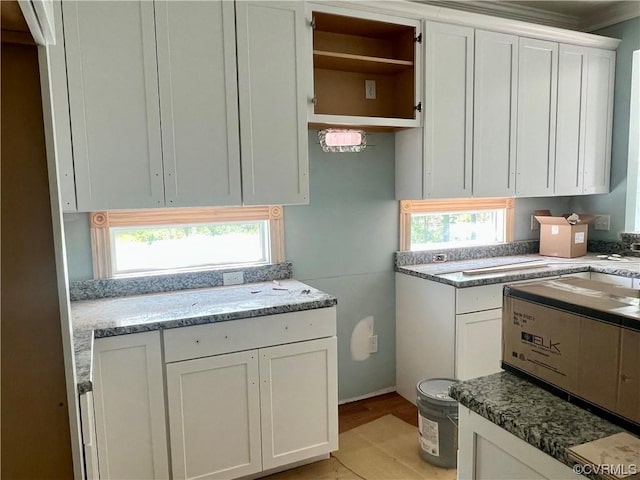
(354, 414)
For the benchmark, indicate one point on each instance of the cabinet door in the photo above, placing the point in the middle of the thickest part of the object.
(113, 102)
(598, 121)
(129, 405)
(572, 69)
(299, 401)
(537, 95)
(478, 343)
(274, 80)
(214, 416)
(494, 127)
(448, 110)
(198, 102)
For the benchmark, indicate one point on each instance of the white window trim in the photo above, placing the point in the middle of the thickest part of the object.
(101, 222)
(408, 207)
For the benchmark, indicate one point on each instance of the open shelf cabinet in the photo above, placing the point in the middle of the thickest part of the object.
(356, 49)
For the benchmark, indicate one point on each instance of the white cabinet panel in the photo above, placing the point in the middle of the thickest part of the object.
(199, 102)
(299, 401)
(425, 332)
(495, 110)
(448, 110)
(274, 72)
(214, 416)
(636, 283)
(569, 171)
(478, 344)
(598, 122)
(129, 407)
(90, 450)
(114, 105)
(537, 95)
(613, 279)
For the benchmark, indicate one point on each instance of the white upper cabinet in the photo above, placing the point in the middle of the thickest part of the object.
(198, 102)
(353, 49)
(599, 118)
(537, 95)
(585, 108)
(273, 79)
(114, 104)
(495, 111)
(187, 104)
(569, 170)
(448, 107)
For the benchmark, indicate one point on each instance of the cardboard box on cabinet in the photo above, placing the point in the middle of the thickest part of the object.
(561, 238)
(579, 336)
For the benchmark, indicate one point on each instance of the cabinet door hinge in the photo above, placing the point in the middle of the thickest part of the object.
(313, 23)
(418, 107)
(418, 39)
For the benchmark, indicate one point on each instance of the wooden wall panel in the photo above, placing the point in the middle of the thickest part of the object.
(35, 440)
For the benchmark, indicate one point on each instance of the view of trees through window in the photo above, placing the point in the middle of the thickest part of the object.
(187, 246)
(430, 230)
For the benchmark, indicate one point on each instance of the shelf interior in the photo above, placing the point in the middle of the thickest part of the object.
(348, 62)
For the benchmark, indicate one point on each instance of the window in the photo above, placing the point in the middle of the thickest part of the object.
(140, 242)
(427, 224)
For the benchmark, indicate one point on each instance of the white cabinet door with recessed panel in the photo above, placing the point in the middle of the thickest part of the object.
(198, 102)
(494, 125)
(537, 98)
(299, 401)
(128, 397)
(448, 122)
(274, 84)
(113, 104)
(478, 343)
(214, 416)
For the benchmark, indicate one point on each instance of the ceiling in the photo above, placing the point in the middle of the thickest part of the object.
(582, 15)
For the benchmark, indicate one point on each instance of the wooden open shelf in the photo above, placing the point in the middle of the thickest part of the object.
(347, 62)
(349, 51)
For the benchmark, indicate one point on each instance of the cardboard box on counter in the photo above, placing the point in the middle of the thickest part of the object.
(559, 238)
(580, 337)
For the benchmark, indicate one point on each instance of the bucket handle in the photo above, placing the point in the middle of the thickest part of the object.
(453, 420)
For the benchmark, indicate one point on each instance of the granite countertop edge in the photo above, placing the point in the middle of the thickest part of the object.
(560, 426)
(214, 318)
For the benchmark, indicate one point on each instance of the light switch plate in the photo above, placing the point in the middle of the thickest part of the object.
(602, 222)
(370, 89)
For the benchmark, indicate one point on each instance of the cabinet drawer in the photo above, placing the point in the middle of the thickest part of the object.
(249, 333)
(485, 297)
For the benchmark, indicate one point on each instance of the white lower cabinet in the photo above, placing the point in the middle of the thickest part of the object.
(128, 398)
(298, 401)
(478, 343)
(214, 416)
(241, 413)
(488, 452)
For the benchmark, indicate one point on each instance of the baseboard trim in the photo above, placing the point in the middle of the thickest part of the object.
(368, 395)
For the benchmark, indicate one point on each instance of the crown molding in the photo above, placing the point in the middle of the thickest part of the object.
(616, 13)
(511, 11)
(423, 11)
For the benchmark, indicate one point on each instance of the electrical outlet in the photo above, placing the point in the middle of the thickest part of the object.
(373, 344)
(370, 89)
(439, 257)
(233, 278)
(602, 222)
(535, 225)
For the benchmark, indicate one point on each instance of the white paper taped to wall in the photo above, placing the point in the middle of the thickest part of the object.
(360, 339)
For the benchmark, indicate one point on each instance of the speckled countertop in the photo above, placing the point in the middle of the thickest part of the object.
(142, 313)
(450, 273)
(532, 414)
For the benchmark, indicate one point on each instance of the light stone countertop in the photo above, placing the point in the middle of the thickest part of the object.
(142, 313)
(532, 414)
(450, 273)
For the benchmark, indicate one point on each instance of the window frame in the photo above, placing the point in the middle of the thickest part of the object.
(409, 207)
(100, 224)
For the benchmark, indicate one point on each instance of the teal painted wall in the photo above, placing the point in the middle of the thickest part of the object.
(614, 202)
(343, 244)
